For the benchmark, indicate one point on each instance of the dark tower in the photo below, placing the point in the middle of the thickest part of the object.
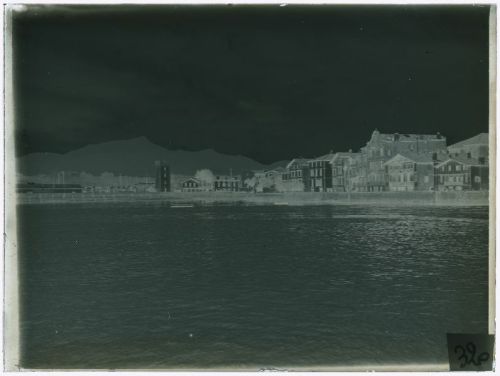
(162, 176)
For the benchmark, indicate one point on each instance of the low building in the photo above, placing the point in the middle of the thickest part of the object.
(410, 172)
(191, 185)
(458, 173)
(228, 183)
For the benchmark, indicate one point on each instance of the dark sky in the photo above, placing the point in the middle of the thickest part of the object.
(267, 82)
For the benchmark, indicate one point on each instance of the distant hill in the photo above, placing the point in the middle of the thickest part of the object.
(135, 157)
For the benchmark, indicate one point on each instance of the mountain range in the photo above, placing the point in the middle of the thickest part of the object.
(135, 157)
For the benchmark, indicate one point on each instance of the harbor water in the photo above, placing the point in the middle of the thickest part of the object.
(146, 285)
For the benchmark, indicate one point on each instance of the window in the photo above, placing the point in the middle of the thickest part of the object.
(449, 168)
(458, 167)
(426, 179)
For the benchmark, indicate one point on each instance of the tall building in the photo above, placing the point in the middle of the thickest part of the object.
(320, 173)
(410, 172)
(162, 177)
(296, 176)
(382, 147)
(344, 171)
(474, 147)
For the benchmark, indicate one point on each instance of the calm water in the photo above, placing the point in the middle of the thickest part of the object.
(134, 285)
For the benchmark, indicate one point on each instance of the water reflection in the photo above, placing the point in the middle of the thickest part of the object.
(145, 286)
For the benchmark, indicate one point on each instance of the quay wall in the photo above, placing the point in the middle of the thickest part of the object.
(459, 198)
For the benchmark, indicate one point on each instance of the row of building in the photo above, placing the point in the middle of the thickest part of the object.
(388, 162)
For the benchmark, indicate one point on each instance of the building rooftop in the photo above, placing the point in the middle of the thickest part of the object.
(480, 139)
(326, 157)
(298, 161)
(191, 179)
(463, 160)
(344, 154)
(405, 137)
(276, 169)
(415, 157)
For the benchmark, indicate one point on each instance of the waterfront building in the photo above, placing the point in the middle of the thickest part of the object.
(320, 173)
(410, 172)
(296, 175)
(344, 169)
(228, 183)
(195, 185)
(381, 147)
(162, 181)
(474, 147)
(359, 173)
(458, 173)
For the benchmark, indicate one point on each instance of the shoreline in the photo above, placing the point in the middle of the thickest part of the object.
(452, 198)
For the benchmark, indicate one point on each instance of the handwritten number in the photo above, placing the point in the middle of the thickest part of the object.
(462, 357)
(468, 355)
